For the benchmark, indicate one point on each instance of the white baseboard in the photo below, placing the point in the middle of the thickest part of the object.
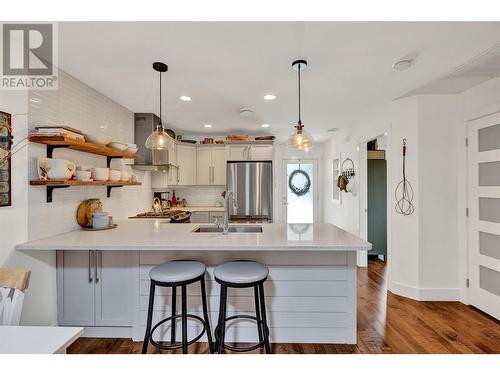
(439, 294)
(425, 294)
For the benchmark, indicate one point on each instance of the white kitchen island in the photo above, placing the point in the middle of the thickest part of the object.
(103, 284)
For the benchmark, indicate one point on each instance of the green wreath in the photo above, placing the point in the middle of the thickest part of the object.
(299, 191)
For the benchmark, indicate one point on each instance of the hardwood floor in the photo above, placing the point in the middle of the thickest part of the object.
(386, 324)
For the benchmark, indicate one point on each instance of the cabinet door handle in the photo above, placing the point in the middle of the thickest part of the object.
(96, 256)
(91, 257)
(249, 152)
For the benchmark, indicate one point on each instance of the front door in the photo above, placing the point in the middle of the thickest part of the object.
(484, 213)
(300, 191)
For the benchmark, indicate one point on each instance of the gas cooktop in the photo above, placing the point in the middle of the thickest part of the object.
(162, 215)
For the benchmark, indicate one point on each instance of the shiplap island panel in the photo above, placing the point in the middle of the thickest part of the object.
(310, 292)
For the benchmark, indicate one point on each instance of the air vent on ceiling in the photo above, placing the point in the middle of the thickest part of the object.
(486, 64)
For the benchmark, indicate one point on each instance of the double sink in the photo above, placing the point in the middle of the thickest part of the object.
(232, 229)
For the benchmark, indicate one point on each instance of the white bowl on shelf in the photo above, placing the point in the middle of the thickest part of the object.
(83, 175)
(100, 139)
(100, 174)
(115, 175)
(126, 175)
(132, 150)
(118, 146)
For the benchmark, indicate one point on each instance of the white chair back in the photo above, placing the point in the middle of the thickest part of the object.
(13, 283)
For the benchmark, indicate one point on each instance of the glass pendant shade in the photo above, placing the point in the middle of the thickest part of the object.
(300, 139)
(158, 140)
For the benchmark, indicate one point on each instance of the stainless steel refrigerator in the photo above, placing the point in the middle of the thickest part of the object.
(252, 185)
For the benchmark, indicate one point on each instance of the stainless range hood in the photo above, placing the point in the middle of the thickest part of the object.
(148, 160)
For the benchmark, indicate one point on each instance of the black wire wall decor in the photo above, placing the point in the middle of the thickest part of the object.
(299, 191)
(404, 191)
(347, 170)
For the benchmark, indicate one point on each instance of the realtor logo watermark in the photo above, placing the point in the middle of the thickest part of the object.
(29, 56)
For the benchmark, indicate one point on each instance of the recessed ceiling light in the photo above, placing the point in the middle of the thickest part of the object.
(185, 98)
(207, 126)
(269, 97)
(265, 125)
(403, 64)
(246, 112)
(332, 130)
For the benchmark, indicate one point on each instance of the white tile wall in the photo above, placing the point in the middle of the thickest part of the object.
(198, 195)
(78, 105)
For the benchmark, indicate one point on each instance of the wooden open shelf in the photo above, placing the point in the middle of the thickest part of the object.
(82, 183)
(54, 142)
(93, 148)
(56, 184)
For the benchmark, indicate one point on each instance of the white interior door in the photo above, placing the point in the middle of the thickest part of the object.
(484, 213)
(300, 206)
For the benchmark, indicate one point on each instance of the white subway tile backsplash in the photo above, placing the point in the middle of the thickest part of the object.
(78, 105)
(198, 195)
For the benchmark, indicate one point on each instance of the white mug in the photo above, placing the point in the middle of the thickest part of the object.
(55, 169)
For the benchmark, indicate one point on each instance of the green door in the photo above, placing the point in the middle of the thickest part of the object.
(377, 206)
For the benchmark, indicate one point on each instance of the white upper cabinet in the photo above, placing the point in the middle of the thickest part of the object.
(261, 152)
(203, 166)
(211, 165)
(242, 152)
(218, 166)
(186, 160)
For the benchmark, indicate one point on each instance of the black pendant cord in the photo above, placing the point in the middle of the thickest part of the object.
(300, 121)
(160, 124)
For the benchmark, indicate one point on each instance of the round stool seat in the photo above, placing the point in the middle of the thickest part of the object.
(177, 271)
(241, 272)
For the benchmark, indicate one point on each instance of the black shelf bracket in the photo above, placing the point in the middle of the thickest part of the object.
(50, 189)
(109, 158)
(51, 148)
(108, 188)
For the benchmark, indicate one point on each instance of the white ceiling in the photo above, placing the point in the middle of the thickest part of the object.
(227, 66)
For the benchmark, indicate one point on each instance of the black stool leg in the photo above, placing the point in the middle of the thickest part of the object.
(174, 312)
(150, 318)
(222, 318)
(205, 315)
(257, 312)
(264, 319)
(184, 321)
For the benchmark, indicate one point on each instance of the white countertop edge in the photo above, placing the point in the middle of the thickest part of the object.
(191, 248)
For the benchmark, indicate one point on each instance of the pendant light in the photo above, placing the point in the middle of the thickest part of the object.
(300, 139)
(158, 140)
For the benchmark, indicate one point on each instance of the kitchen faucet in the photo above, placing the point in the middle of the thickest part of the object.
(228, 198)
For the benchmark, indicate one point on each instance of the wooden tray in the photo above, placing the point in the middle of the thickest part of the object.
(95, 230)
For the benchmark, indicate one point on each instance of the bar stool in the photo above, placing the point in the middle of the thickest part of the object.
(173, 274)
(242, 274)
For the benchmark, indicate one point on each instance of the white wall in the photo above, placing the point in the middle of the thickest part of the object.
(399, 119)
(79, 106)
(423, 248)
(39, 306)
(439, 124)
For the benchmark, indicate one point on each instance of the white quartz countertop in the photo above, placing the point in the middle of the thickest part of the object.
(159, 235)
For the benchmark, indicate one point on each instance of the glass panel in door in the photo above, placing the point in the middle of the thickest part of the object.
(300, 191)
